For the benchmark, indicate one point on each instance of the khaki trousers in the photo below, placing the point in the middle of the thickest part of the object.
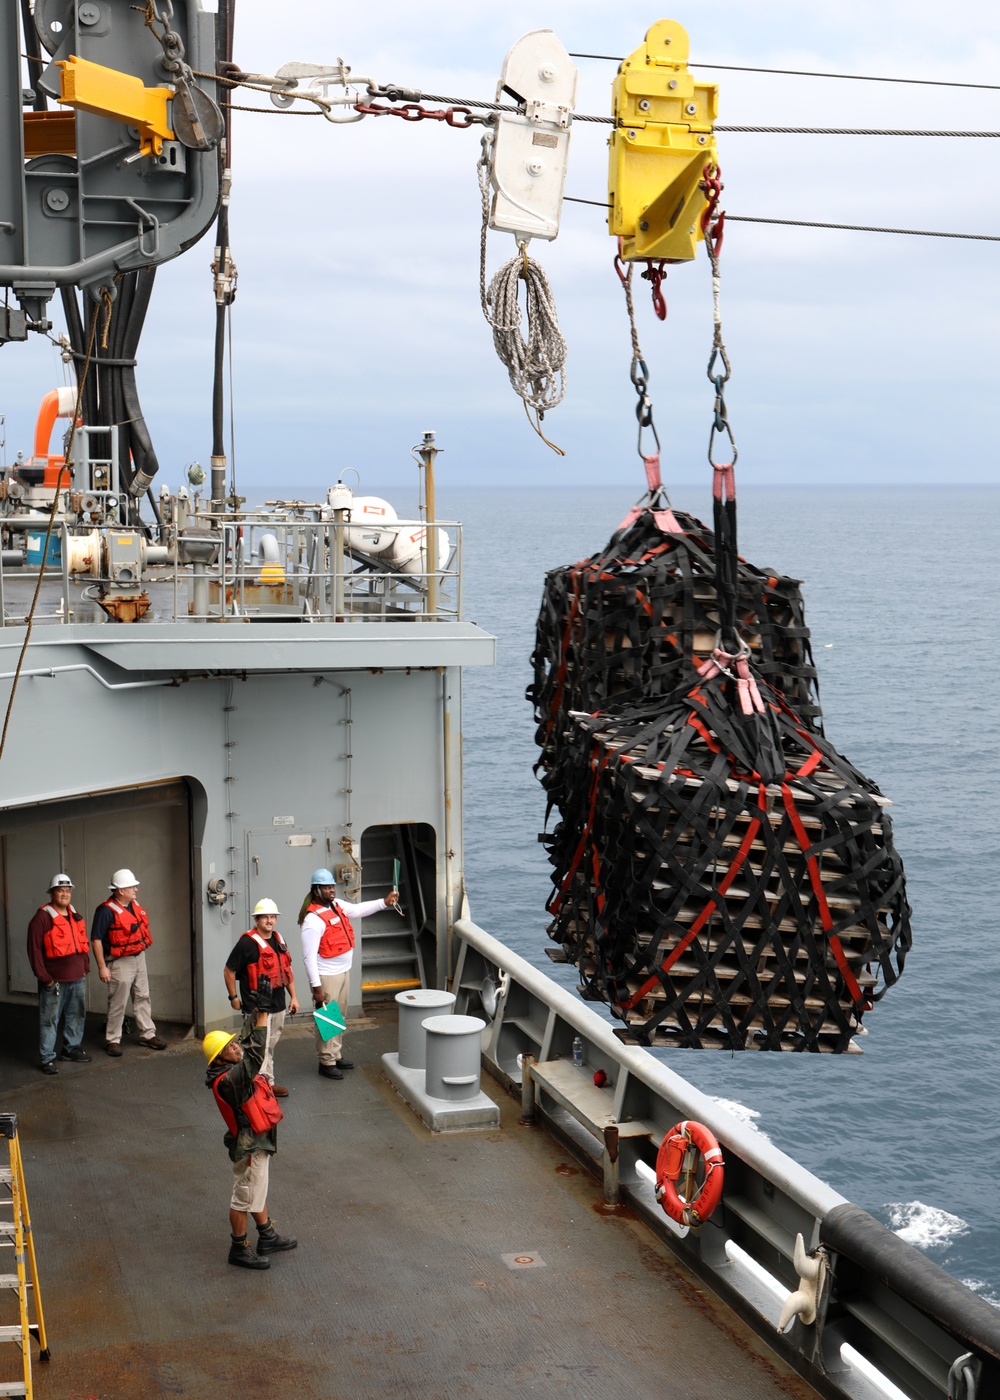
(274, 1024)
(335, 988)
(129, 976)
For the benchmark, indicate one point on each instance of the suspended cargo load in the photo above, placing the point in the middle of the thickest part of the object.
(629, 624)
(722, 879)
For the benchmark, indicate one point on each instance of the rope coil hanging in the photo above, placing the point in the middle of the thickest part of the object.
(536, 366)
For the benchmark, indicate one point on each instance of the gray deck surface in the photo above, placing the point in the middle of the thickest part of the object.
(398, 1287)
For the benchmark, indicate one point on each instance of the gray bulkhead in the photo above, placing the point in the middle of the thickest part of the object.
(251, 754)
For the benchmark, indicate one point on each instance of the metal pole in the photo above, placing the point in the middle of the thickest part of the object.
(339, 522)
(427, 452)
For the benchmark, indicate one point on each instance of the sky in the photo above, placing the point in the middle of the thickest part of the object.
(857, 358)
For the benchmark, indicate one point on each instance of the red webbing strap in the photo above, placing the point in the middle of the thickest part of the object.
(704, 731)
(724, 481)
(826, 918)
(667, 521)
(578, 853)
(735, 867)
(652, 464)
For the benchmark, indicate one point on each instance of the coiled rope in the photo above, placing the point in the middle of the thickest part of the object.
(536, 366)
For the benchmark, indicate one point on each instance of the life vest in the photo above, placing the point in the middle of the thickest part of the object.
(277, 966)
(338, 936)
(261, 1109)
(129, 932)
(67, 935)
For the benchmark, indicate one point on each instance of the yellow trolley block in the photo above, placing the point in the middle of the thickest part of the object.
(89, 87)
(659, 147)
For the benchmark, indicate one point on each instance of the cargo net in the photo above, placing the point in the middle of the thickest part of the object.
(712, 908)
(626, 625)
(723, 877)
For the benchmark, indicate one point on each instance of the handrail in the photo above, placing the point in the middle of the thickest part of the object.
(889, 1322)
(306, 576)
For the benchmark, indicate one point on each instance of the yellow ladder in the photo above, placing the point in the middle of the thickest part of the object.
(15, 1233)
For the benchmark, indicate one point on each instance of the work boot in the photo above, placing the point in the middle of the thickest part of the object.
(48, 1067)
(346, 1064)
(113, 1048)
(153, 1044)
(270, 1242)
(77, 1054)
(279, 1091)
(331, 1071)
(243, 1256)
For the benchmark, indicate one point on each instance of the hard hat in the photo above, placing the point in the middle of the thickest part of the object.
(61, 882)
(265, 906)
(323, 877)
(123, 879)
(215, 1042)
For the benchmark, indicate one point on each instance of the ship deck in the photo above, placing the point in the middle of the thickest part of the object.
(405, 1281)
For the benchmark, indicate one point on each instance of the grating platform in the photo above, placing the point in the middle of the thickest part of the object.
(457, 1266)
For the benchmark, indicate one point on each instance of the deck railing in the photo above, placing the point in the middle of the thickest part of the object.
(889, 1323)
(258, 568)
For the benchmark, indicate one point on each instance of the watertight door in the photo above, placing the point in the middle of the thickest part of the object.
(147, 829)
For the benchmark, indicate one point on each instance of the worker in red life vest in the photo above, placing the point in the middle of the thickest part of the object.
(251, 1114)
(120, 936)
(328, 951)
(262, 952)
(59, 953)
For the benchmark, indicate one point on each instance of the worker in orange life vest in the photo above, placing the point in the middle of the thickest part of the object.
(251, 1114)
(59, 953)
(262, 952)
(328, 951)
(120, 935)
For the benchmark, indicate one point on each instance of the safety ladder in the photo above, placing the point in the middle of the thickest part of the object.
(15, 1233)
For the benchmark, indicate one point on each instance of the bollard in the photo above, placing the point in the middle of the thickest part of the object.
(454, 1046)
(527, 1089)
(414, 1008)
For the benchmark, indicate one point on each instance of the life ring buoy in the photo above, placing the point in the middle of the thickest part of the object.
(670, 1164)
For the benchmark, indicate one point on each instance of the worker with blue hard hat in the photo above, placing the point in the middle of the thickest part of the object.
(328, 952)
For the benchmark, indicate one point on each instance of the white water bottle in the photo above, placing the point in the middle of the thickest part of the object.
(577, 1050)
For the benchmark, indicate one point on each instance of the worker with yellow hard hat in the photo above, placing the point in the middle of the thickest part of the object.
(261, 951)
(251, 1114)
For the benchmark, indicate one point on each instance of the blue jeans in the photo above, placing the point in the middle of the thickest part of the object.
(64, 1002)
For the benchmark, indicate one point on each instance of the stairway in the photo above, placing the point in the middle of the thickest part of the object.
(390, 955)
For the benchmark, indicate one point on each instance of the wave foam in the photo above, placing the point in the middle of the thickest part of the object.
(927, 1227)
(747, 1116)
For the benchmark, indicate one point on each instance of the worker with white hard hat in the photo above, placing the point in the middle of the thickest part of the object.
(59, 953)
(261, 952)
(120, 936)
(328, 952)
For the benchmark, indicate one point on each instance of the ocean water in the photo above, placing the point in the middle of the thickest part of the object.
(901, 596)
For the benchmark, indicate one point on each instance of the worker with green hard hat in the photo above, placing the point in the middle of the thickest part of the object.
(261, 951)
(251, 1114)
(328, 951)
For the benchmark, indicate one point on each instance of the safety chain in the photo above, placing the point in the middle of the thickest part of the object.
(199, 133)
(713, 225)
(639, 372)
(413, 112)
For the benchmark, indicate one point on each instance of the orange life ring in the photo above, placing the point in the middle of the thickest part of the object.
(670, 1163)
